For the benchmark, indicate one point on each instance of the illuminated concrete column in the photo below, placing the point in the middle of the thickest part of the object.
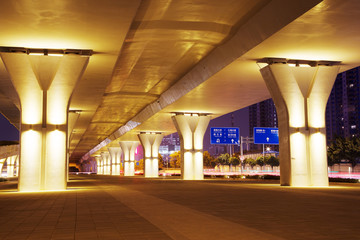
(115, 153)
(191, 129)
(2, 161)
(106, 163)
(11, 165)
(150, 143)
(44, 83)
(300, 95)
(17, 166)
(99, 167)
(128, 149)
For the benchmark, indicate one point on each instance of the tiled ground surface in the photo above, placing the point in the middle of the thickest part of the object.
(107, 207)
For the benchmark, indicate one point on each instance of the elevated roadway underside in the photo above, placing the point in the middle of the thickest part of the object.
(153, 58)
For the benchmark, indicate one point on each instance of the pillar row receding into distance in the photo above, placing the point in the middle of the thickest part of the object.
(115, 153)
(99, 165)
(300, 90)
(128, 148)
(2, 161)
(151, 143)
(191, 129)
(106, 159)
(44, 80)
(11, 165)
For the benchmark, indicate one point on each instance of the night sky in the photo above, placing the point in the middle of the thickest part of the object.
(7, 131)
(241, 120)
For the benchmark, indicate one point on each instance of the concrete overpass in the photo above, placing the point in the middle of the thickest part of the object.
(120, 68)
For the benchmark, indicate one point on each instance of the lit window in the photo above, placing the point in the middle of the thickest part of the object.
(351, 85)
(353, 126)
(342, 127)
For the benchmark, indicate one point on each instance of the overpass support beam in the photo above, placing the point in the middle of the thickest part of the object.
(300, 95)
(128, 148)
(106, 159)
(44, 83)
(151, 143)
(191, 129)
(115, 153)
(11, 165)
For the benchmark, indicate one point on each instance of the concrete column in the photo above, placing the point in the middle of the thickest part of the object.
(17, 166)
(99, 165)
(151, 143)
(44, 85)
(128, 148)
(300, 95)
(2, 161)
(11, 165)
(115, 153)
(106, 163)
(191, 129)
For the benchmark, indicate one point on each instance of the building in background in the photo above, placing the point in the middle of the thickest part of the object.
(343, 107)
(169, 145)
(262, 114)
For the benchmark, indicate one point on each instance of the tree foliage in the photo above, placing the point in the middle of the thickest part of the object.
(223, 159)
(344, 149)
(272, 161)
(260, 161)
(175, 159)
(209, 160)
(234, 161)
(161, 161)
(250, 161)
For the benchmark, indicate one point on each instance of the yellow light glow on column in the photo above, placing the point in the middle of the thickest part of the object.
(147, 166)
(198, 166)
(318, 159)
(155, 167)
(31, 105)
(188, 171)
(131, 168)
(299, 164)
(31, 148)
(127, 168)
(55, 177)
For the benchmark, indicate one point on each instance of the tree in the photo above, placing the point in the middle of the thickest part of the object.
(175, 159)
(344, 149)
(260, 161)
(208, 160)
(336, 151)
(250, 161)
(223, 159)
(161, 161)
(352, 151)
(139, 166)
(272, 161)
(234, 161)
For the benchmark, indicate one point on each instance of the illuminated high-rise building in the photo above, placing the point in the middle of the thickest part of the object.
(343, 107)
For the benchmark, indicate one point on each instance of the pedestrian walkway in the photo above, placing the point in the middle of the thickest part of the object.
(113, 207)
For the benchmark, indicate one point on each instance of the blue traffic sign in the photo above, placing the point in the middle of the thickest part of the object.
(266, 135)
(224, 135)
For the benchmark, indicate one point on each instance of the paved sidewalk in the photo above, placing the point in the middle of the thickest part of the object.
(109, 207)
